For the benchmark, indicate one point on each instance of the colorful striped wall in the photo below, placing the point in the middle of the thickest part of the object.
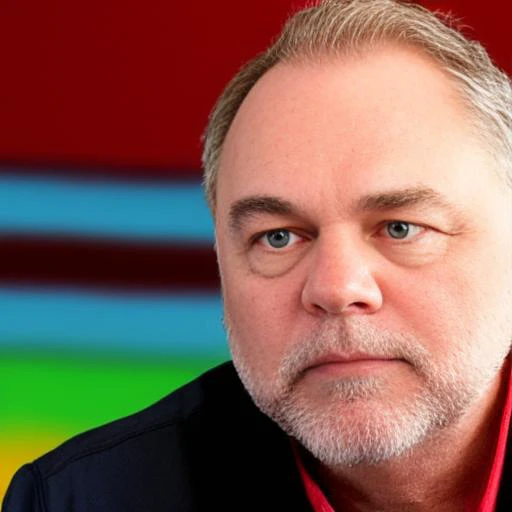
(109, 292)
(109, 299)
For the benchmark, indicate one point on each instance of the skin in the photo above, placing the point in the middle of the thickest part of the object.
(333, 152)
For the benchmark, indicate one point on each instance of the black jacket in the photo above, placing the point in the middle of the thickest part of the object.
(203, 448)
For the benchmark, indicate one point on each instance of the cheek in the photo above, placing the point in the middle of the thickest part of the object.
(482, 280)
(465, 299)
(261, 314)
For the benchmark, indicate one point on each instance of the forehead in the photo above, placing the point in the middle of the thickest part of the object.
(387, 119)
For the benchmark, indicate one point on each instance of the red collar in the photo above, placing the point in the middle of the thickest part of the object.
(490, 493)
(487, 502)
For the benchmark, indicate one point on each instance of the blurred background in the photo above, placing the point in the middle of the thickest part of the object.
(109, 294)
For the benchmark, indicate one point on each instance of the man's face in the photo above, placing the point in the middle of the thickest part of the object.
(365, 247)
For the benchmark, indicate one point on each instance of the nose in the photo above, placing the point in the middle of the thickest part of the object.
(341, 279)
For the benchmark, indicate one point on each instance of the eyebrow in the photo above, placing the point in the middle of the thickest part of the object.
(248, 207)
(401, 198)
(388, 200)
(407, 197)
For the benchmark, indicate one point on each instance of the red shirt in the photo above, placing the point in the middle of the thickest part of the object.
(487, 502)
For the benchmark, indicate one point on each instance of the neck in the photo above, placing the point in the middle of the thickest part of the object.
(441, 474)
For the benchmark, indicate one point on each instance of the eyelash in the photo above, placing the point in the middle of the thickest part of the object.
(260, 237)
(411, 226)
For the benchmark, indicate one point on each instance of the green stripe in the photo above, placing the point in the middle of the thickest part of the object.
(70, 394)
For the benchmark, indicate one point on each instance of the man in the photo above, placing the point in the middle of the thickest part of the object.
(359, 173)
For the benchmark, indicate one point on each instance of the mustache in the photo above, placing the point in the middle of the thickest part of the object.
(331, 339)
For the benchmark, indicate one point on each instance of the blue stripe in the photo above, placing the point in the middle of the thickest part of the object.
(159, 212)
(171, 324)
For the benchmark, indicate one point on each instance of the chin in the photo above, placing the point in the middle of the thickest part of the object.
(364, 430)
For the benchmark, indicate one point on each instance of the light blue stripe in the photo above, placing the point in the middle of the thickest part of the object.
(170, 324)
(126, 210)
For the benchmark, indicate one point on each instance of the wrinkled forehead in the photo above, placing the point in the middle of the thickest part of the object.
(392, 115)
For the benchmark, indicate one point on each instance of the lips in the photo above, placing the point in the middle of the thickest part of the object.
(351, 365)
(348, 358)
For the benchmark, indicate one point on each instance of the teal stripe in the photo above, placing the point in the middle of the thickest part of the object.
(181, 324)
(126, 210)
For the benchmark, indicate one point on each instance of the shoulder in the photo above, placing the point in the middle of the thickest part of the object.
(166, 457)
(159, 422)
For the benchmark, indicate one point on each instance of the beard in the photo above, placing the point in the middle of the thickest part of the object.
(351, 420)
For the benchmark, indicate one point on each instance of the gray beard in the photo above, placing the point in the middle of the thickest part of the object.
(356, 423)
(376, 432)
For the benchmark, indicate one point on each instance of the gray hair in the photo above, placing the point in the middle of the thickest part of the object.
(340, 27)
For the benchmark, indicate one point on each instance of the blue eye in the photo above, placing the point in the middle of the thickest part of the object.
(277, 239)
(398, 230)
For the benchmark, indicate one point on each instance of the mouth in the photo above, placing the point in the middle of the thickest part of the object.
(352, 364)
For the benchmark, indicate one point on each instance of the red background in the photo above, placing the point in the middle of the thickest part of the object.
(125, 87)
